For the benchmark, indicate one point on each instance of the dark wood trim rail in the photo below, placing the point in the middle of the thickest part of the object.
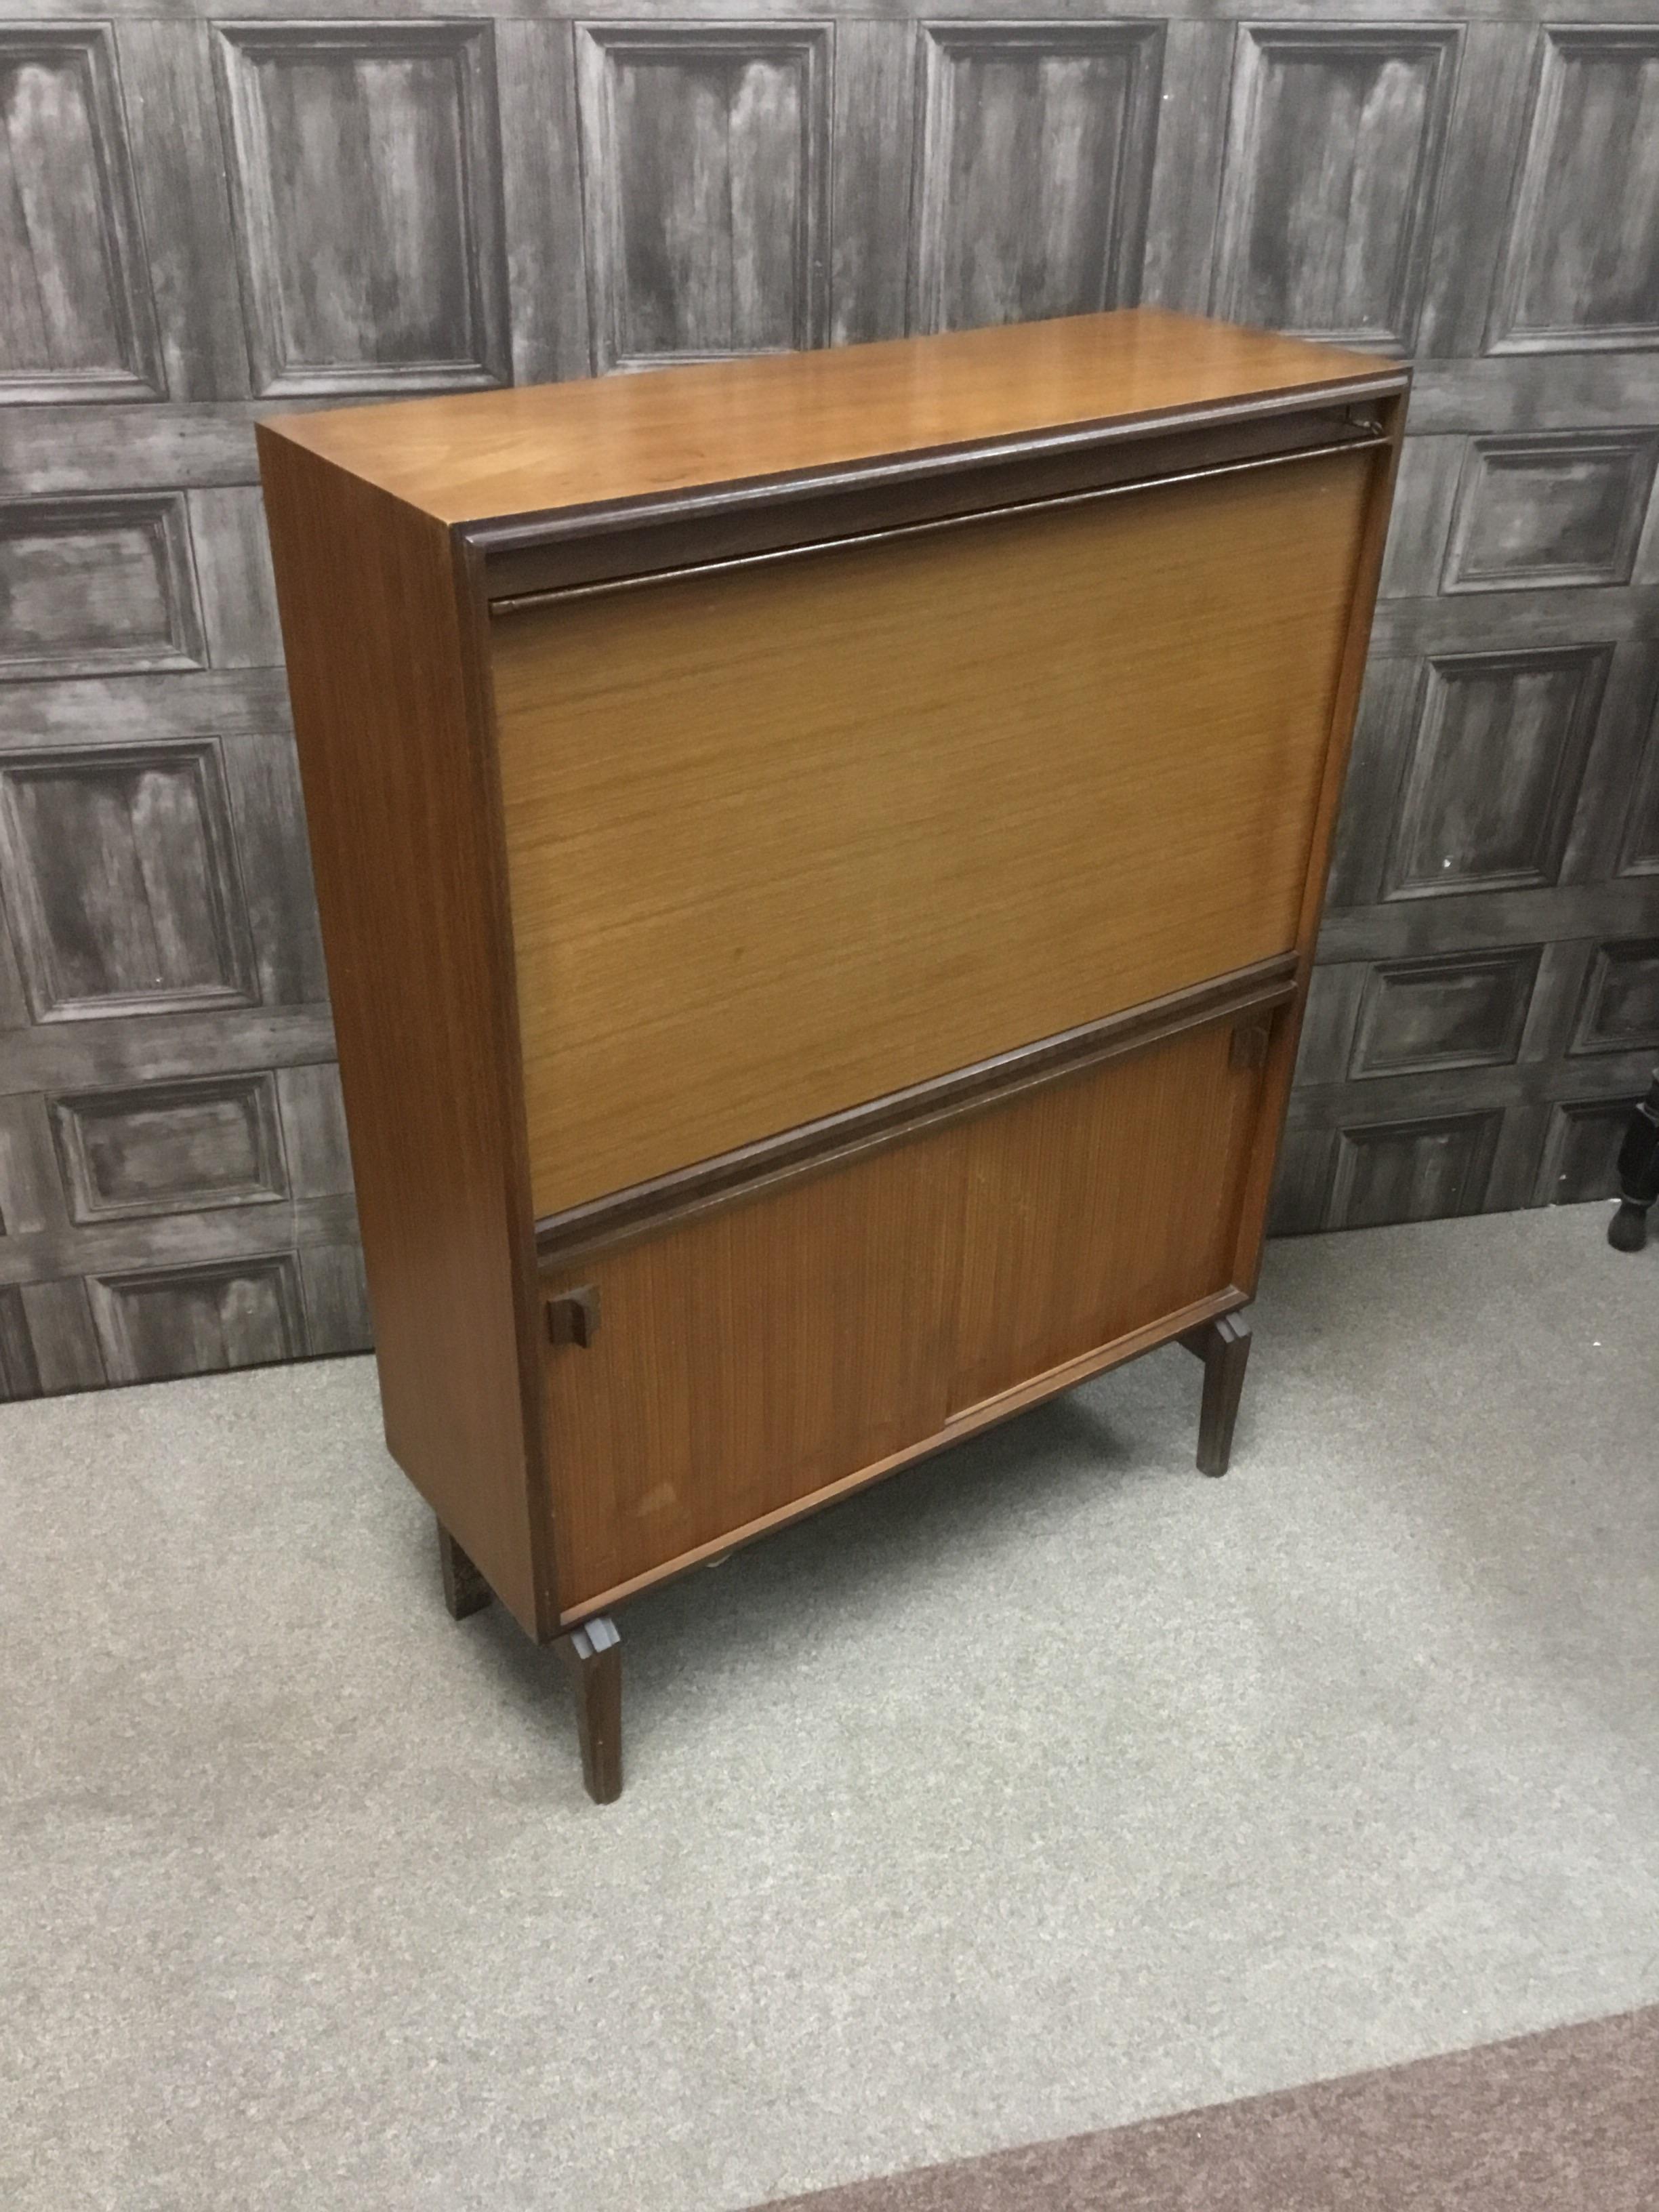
(770, 1161)
(526, 560)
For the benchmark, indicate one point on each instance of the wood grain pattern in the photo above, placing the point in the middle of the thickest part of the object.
(1578, 268)
(1333, 157)
(367, 187)
(94, 587)
(730, 259)
(77, 320)
(752, 1359)
(1248, 999)
(1034, 169)
(1098, 1206)
(373, 618)
(719, 936)
(468, 457)
(987, 1415)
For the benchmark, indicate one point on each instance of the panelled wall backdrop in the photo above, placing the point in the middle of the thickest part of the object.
(206, 219)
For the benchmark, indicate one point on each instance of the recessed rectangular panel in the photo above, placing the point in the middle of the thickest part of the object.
(1036, 162)
(1417, 1170)
(1581, 266)
(96, 586)
(705, 184)
(170, 1147)
(787, 837)
(1494, 771)
(1620, 1008)
(76, 320)
(1580, 1161)
(369, 190)
(1566, 510)
(1332, 165)
(1638, 850)
(198, 1321)
(121, 880)
(1468, 1010)
(19, 1372)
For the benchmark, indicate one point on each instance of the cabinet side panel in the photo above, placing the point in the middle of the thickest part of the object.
(1382, 470)
(399, 802)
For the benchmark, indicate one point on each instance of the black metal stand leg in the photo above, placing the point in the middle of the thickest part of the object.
(1223, 1345)
(1638, 1176)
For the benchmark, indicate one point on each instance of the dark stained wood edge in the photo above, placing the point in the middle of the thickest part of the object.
(794, 544)
(383, 657)
(465, 1590)
(530, 555)
(1275, 1095)
(474, 609)
(968, 1422)
(651, 1206)
(593, 1654)
(1223, 1345)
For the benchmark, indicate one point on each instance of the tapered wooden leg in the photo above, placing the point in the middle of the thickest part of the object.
(593, 1655)
(1223, 1345)
(465, 1589)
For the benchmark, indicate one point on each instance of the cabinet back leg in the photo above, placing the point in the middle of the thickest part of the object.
(1223, 1345)
(593, 1655)
(465, 1589)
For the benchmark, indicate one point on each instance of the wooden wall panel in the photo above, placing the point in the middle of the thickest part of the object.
(1412, 1170)
(123, 893)
(77, 318)
(706, 179)
(165, 1148)
(1551, 510)
(368, 189)
(1334, 164)
(98, 586)
(1036, 155)
(193, 1321)
(1580, 269)
(206, 212)
(1493, 772)
(1467, 1010)
(1620, 1007)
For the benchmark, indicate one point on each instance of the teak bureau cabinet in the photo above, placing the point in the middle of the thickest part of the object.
(819, 860)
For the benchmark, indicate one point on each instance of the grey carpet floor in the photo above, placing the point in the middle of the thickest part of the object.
(1046, 1788)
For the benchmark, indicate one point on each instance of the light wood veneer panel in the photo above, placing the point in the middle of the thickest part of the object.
(752, 1357)
(1097, 1205)
(786, 836)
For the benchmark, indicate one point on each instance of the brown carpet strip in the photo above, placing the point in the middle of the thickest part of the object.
(1567, 2121)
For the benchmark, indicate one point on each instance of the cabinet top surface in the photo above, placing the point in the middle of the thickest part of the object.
(597, 442)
